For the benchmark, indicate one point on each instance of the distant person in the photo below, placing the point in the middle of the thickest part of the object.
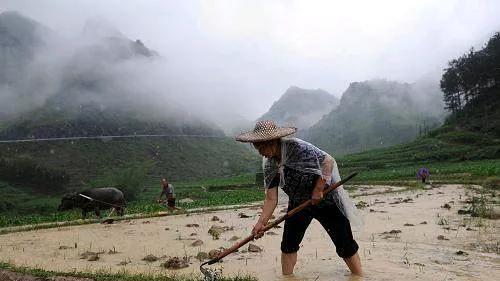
(303, 171)
(168, 190)
(423, 174)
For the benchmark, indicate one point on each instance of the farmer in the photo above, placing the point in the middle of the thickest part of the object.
(302, 171)
(168, 190)
(423, 174)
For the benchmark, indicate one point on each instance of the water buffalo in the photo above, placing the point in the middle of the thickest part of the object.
(103, 198)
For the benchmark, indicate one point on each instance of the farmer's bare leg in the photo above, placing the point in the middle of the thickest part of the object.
(354, 264)
(288, 262)
(339, 229)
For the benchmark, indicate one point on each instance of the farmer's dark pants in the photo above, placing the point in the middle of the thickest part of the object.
(171, 202)
(332, 220)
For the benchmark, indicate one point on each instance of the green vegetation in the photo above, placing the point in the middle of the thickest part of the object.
(447, 161)
(216, 171)
(378, 113)
(26, 172)
(471, 84)
(467, 147)
(179, 158)
(129, 179)
(450, 157)
(201, 198)
(107, 276)
(133, 165)
(482, 207)
(33, 209)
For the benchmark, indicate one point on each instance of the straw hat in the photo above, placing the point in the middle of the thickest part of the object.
(265, 130)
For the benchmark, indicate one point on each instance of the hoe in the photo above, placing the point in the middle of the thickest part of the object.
(213, 275)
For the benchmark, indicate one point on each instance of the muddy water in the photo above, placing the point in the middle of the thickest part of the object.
(414, 253)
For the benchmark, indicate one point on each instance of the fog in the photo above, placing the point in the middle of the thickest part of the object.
(219, 57)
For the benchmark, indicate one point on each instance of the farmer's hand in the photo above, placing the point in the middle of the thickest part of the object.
(317, 196)
(257, 230)
(317, 193)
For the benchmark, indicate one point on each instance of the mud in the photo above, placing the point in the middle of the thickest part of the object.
(150, 258)
(412, 251)
(176, 263)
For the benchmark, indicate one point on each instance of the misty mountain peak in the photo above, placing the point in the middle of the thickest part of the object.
(20, 39)
(19, 31)
(301, 107)
(99, 27)
(297, 91)
(377, 113)
(113, 42)
(16, 18)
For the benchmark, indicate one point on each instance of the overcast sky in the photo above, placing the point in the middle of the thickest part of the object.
(243, 55)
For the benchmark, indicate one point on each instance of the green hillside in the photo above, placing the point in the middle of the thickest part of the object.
(33, 175)
(89, 121)
(84, 161)
(378, 113)
(450, 156)
(467, 147)
(87, 91)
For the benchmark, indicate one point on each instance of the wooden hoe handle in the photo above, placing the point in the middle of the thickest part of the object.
(278, 221)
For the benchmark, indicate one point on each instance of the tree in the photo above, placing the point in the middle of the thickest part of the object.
(472, 75)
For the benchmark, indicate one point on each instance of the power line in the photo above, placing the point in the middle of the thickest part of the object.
(107, 138)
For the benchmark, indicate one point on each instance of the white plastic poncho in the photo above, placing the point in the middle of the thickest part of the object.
(301, 157)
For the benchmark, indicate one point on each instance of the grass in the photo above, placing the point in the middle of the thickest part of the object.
(31, 209)
(214, 172)
(181, 159)
(75, 222)
(108, 276)
(451, 156)
(483, 205)
(463, 172)
(35, 208)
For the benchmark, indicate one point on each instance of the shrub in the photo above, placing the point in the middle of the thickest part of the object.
(128, 179)
(481, 207)
(5, 205)
(441, 130)
(28, 172)
(464, 137)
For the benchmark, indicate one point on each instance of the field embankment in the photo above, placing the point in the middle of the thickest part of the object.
(451, 156)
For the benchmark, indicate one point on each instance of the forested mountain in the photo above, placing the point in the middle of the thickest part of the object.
(94, 84)
(378, 113)
(97, 83)
(467, 145)
(300, 108)
(471, 86)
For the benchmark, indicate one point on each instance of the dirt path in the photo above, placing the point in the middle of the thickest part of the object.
(394, 242)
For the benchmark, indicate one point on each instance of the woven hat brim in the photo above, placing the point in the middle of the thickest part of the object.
(263, 136)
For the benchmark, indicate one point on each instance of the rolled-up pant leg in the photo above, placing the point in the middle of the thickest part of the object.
(338, 228)
(294, 230)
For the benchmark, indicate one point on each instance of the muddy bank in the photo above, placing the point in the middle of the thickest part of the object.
(411, 234)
